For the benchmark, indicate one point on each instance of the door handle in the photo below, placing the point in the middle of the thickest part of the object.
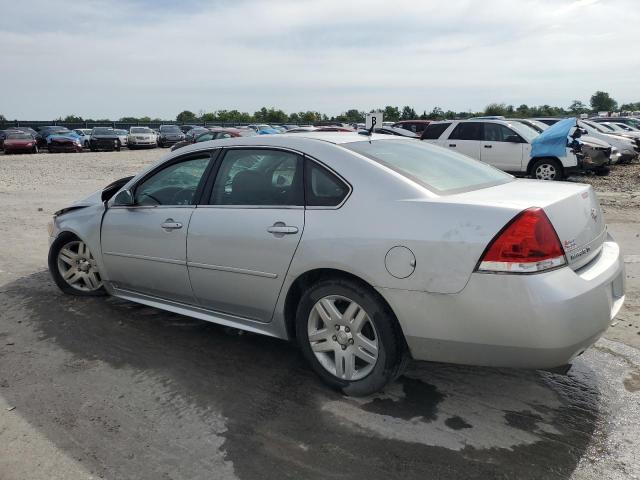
(452, 144)
(170, 224)
(281, 228)
(487, 146)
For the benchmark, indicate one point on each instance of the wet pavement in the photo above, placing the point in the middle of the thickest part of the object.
(133, 392)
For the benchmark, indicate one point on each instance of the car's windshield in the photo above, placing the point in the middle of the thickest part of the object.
(140, 130)
(614, 127)
(597, 127)
(18, 136)
(525, 131)
(170, 129)
(103, 131)
(434, 167)
(121, 132)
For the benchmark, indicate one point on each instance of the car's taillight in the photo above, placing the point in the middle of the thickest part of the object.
(527, 244)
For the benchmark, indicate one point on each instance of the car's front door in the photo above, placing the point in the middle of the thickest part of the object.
(144, 245)
(240, 245)
(502, 148)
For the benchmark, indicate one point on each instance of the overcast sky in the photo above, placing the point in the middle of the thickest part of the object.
(108, 59)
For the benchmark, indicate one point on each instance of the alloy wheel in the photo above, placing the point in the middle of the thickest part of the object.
(342, 337)
(78, 268)
(546, 171)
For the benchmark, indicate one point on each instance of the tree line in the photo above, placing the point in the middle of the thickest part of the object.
(599, 102)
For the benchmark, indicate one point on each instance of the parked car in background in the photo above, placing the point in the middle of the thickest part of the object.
(122, 135)
(64, 142)
(4, 133)
(548, 120)
(186, 128)
(205, 135)
(415, 126)
(626, 127)
(501, 143)
(44, 132)
(631, 121)
(169, 135)
(628, 148)
(334, 128)
(596, 152)
(85, 134)
(302, 129)
(104, 138)
(16, 141)
(388, 130)
(141, 137)
(618, 130)
(284, 238)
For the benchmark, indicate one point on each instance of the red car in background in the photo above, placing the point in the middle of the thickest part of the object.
(16, 141)
(197, 135)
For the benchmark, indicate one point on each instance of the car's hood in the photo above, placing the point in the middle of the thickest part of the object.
(593, 141)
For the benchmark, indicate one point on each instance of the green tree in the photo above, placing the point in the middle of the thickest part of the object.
(625, 107)
(352, 115)
(391, 114)
(496, 109)
(602, 102)
(129, 120)
(186, 117)
(523, 110)
(577, 107)
(408, 113)
(436, 114)
(3, 118)
(144, 119)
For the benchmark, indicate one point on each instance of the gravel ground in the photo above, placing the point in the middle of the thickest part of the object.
(102, 388)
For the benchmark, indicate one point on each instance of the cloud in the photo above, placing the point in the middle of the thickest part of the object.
(103, 58)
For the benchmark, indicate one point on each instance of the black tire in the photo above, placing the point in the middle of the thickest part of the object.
(34, 149)
(551, 164)
(58, 244)
(392, 351)
(602, 171)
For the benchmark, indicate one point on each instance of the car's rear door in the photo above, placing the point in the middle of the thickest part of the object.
(465, 138)
(144, 245)
(241, 242)
(502, 148)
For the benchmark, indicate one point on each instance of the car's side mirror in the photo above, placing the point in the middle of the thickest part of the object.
(124, 198)
(513, 139)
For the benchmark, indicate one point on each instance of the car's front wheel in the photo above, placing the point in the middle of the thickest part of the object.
(350, 337)
(546, 169)
(73, 267)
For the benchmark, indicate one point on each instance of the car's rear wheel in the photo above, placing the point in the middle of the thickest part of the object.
(546, 169)
(350, 337)
(73, 267)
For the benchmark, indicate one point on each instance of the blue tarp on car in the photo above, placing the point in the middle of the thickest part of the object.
(553, 141)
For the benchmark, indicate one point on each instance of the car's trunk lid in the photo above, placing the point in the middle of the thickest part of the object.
(572, 208)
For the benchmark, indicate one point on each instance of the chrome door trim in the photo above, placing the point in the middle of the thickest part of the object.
(144, 257)
(221, 268)
(256, 207)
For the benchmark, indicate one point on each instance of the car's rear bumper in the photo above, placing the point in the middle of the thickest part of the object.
(529, 321)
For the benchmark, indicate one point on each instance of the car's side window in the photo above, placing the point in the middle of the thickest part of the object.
(494, 132)
(259, 177)
(205, 138)
(467, 131)
(434, 130)
(174, 185)
(323, 188)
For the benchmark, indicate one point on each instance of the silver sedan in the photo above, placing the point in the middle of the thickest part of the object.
(367, 251)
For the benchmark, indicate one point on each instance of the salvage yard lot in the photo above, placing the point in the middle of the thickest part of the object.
(103, 387)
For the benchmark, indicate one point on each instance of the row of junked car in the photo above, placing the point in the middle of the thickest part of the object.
(592, 145)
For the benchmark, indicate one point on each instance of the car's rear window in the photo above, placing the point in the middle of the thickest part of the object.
(436, 168)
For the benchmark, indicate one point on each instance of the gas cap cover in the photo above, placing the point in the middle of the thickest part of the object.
(400, 262)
